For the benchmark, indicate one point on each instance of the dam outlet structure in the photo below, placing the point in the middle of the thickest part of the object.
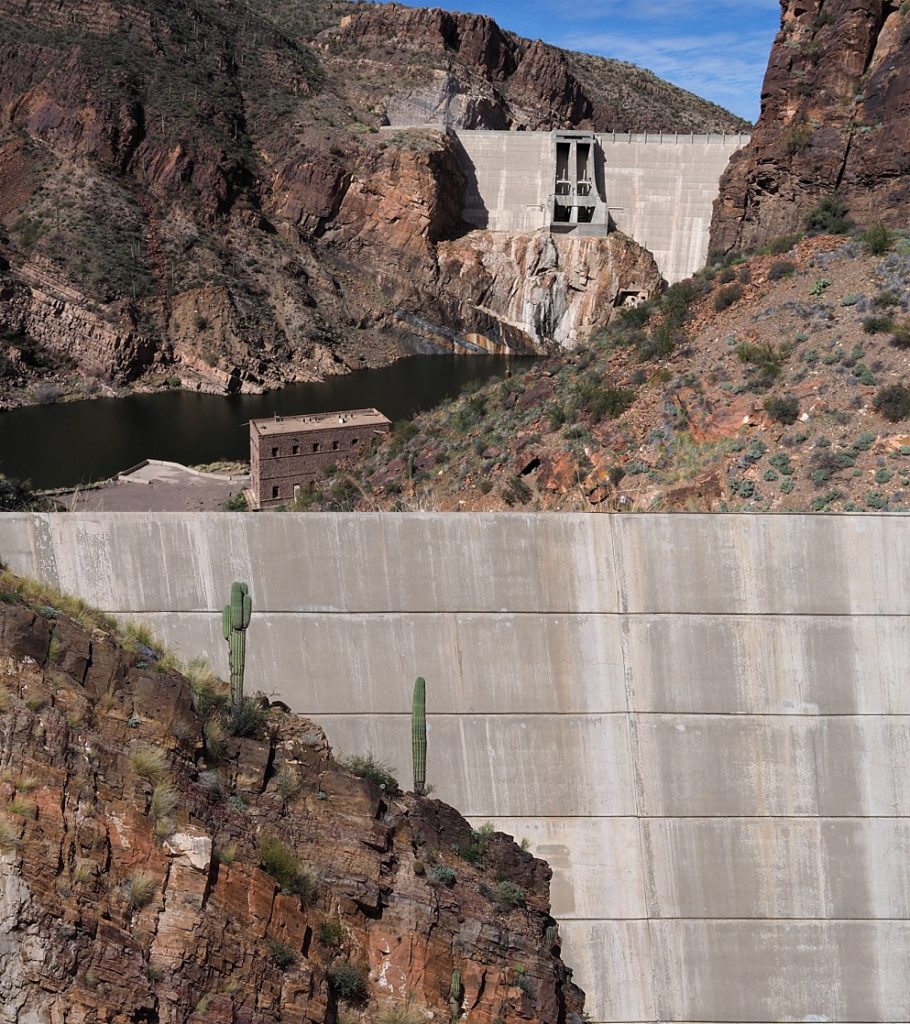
(701, 721)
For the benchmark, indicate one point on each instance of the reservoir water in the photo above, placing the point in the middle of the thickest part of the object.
(78, 442)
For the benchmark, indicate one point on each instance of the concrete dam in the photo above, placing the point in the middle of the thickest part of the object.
(701, 721)
(658, 189)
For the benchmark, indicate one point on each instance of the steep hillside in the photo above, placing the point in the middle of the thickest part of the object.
(778, 382)
(835, 117)
(200, 192)
(162, 859)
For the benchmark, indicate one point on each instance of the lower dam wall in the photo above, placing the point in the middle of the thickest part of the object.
(701, 721)
(660, 189)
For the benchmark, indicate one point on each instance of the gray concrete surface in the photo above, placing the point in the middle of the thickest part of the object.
(702, 722)
(660, 189)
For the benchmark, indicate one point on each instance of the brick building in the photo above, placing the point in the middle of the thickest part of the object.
(289, 452)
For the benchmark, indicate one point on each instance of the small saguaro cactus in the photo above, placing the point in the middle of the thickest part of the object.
(419, 735)
(455, 987)
(234, 622)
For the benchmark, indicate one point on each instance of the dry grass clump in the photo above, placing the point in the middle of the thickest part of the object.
(140, 889)
(148, 762)
(165, 799)
(47, 599)
(288, 782)
(9, 837)
(85, 873)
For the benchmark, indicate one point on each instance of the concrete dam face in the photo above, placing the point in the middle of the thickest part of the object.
(701, 721)
(658, 189)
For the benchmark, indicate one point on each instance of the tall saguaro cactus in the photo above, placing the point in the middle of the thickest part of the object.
(419, 735)
(234, 622)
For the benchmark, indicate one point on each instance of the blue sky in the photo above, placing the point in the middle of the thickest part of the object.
(718, 50)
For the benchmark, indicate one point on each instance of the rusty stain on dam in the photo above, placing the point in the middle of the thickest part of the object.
(702, 721)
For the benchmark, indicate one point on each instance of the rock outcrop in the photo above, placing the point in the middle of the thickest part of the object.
(835, 109)
(154, 869)
(209, 190)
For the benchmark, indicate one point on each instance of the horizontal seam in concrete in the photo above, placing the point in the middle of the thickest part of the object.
(737, 920)
(538, 613)
(615, 714)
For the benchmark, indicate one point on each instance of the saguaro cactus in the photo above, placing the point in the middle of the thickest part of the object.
(234, 622)
(419, 735)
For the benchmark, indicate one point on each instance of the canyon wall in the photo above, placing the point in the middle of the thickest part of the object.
(702, 722)
(835, 116)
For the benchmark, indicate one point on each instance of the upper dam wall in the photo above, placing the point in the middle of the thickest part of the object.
(701, 721)
(660, 189)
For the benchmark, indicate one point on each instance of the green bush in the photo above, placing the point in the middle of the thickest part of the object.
(347, 982)
(509, 895)
(282, 954)
(797, 138)
(780, 269)
(878, 324)
(900, 334)
(516, 491)
(279, 862)
(331, 933)
(246, 718)
(782, 408)
(727, 296)
(444, 875)
(371, 768)
(893, 402)
(765, 358)
(475, 849)
(829, 218)
(878, 240)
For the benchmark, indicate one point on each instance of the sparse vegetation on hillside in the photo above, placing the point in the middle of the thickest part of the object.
(697, 400)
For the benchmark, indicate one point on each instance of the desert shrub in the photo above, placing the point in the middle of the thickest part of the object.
(148, 762)
(744, 276)
(400, 1015)
(215, 737)
(279, 862)
(516, 491)
(508, 894)
(783, 408)
(372, 768)
(727, 296)
(778, 246)
(727, 275)
(893, 402)
(886, 299)
(444, 875)
(330, 932)
(246, 718)
(878, 324)
(164, 801)
(781, 269)
(829, 218)
(797, 138)
(878, 239)
(636, 316)
(765, 359)
(281, 953)
(475, 849)
(288, 782)
(140, 889)
(347, 982)
(659, 343)
(900, 334)
(137, 637)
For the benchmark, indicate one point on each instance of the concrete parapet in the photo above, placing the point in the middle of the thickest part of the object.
(701, 721)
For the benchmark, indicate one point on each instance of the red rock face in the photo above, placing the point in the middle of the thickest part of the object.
(835, 117)
(213, 936)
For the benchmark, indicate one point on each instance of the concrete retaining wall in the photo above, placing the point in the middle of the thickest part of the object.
(660, 188)
(703, 722)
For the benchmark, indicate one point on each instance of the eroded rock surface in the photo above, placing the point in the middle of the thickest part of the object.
(112, 911)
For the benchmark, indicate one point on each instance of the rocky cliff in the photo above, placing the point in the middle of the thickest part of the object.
(202, 191)
(161, 861)
(835, 114)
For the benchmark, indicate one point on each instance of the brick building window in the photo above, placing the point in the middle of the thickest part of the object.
(275, 491)
(334, 446)
(295, 449)
(274, 453)
(354, 441)
(315, 446)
